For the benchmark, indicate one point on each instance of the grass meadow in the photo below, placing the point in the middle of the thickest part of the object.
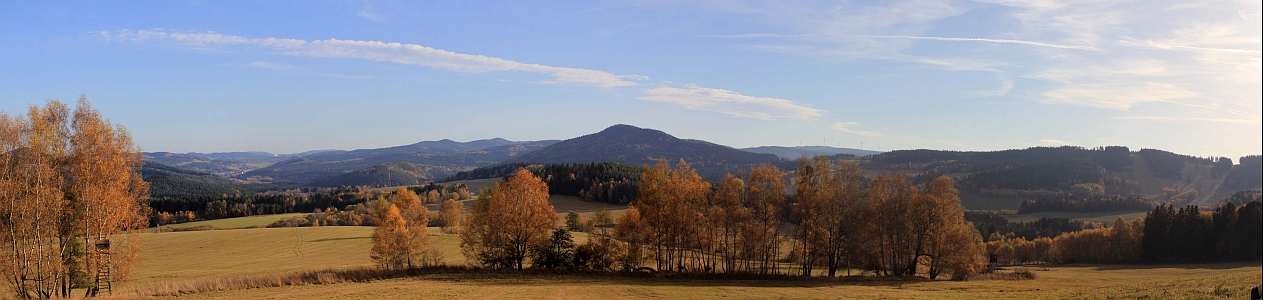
(286, 263)
(234, 223)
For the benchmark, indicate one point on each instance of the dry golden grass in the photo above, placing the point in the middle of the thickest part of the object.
(233, 223)
(196, 255)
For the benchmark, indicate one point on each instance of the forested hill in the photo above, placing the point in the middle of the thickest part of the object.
(796, 152)
(1054, 172)
(168, 181)
(639, 146)
(429, 160)
(386, 174)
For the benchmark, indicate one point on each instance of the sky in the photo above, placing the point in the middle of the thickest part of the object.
(292, 76)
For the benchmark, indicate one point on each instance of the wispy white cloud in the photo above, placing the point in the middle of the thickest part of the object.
(846, 127)
(909, 37)
(1193, 120)
(731, 103)
(1202, 56)
(400, 53)
(1242, 51)
(1118, 97)
(370, 14)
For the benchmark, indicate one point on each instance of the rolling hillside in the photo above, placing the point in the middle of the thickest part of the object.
(639, 146)
(430, 160)
(1002, 179)
(222, 164)
(386, 174)
(167, 181)
(796, 152)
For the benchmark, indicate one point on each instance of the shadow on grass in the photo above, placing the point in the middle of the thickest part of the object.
(1204, 266)
(340, 239)
(536, 277)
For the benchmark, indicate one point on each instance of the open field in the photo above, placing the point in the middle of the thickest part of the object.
(197, 255)
(190, 255)
(1106, 217)
(242, 222)
(473, 185)
(974, 201)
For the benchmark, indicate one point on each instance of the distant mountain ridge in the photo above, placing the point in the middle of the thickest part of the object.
(796, 152)
(987, 180)
(437, 158)
(639, 146)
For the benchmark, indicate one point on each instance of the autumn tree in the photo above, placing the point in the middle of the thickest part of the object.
(840, 216)
(948, 242)
(391, 240)
(453, 216)
(574, 222)
(654, 206)
(601, 222)
(765, 197)
(813, 187)
(109, 193)
(727, 218)
(514, 218)
(416, 217)
(689, 210)
(631, 229)
(893, 231)
(672, 203)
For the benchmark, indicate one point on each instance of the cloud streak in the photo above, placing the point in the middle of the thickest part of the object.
(409, 54)
(731, 103)
(1191, 119)
(909, 37)
(846, 127)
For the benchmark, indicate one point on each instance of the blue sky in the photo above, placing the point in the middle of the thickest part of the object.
(284, 77)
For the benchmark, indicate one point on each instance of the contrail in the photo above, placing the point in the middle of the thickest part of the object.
(1246, 51)
(931, 38)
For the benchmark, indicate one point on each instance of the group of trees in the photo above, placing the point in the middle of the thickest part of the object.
(1094, 204)
(1164, 235)
(1116, 244)
(435, 194)
(509, 223)
(992, 225)
(1191, 235)
(606, 182)
(401, 238)
(835, 219)
(67, 181)
(169, 210)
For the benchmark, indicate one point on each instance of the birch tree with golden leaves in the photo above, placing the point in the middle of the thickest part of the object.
(515, 218)
(416, 218)
(390, 239)
(765, 196)
(453, 215)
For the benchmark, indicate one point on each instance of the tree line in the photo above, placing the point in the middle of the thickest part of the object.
(994, 226)
(1094, 204)
(1165, 235)
(169, 210)
(606, 182)
(834, 219)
